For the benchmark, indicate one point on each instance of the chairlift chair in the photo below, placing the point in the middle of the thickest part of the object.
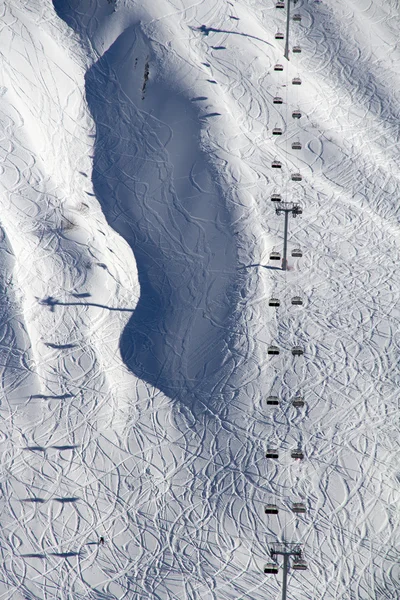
(299, 508)
(279, 35)
(297, 351)
(296, 177)
(277, 131)
(271, 568)
(280, 5)
(299, 565)
(274, 302)
(296, 81)
(271, 509)
(277, 100)
(297, 253)
(296, 146)
(275, 256)
(272, 453)
(278, 67)
(276, 198)
(297, 18)
(276, 164)
(296, 49)
(273, 350)
(297, 454)
(272, 401)
(296, 114)
(297, 301)
(298, 402)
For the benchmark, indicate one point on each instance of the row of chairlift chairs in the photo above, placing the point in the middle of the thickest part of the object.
(296, 351)
(299, 563)
(276, 164)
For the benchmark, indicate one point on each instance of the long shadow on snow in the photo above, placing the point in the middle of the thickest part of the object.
(156, 191)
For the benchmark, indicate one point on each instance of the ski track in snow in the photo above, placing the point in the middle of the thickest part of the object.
(135, 233)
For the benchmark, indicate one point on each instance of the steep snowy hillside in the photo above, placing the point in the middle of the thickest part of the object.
(141, 144)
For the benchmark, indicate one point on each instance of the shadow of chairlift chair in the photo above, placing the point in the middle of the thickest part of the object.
(279, 35)
(271, 509)
(296, 114)
(272, 453)
(297, 253)
(271, 568)
(296, 177)
(272, 401)
(297, 18)
(277, 100)
(296, 146)
(296, 49)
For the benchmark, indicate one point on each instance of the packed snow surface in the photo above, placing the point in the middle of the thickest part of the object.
(135, 276)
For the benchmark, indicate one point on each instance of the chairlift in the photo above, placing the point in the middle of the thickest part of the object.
(297, 454)
(273, 350)
(299, 508)
(296, 114)
(272, 453)
(280, 5)
(297, 351)
(296, 177)
(278, 67)
(276, 198)
(299, 565)
(297, 301)
(296, 146)
(276, 164)
(271, 509)
(297, 18)
(277, 100)
(274, 302)
(272, 401)
(298, 402)
(296, 81)
(279, 35)
(271, 567)
(297, 253)
(277, 131)
(296, 49)
(275, 256)
(297, 210)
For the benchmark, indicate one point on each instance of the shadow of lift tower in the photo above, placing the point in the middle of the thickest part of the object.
(286, 208)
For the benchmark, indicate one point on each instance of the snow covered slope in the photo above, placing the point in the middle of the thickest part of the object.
(136, 227)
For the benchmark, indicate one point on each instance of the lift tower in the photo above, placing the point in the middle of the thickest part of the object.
(287, 550)
(286, 208)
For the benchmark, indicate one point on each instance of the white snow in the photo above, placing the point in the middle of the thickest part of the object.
(135, 231)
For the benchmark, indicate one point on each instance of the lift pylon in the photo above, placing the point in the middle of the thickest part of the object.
(287, 208)
(287, 550)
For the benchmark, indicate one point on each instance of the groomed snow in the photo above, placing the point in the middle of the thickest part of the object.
(135, 232)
